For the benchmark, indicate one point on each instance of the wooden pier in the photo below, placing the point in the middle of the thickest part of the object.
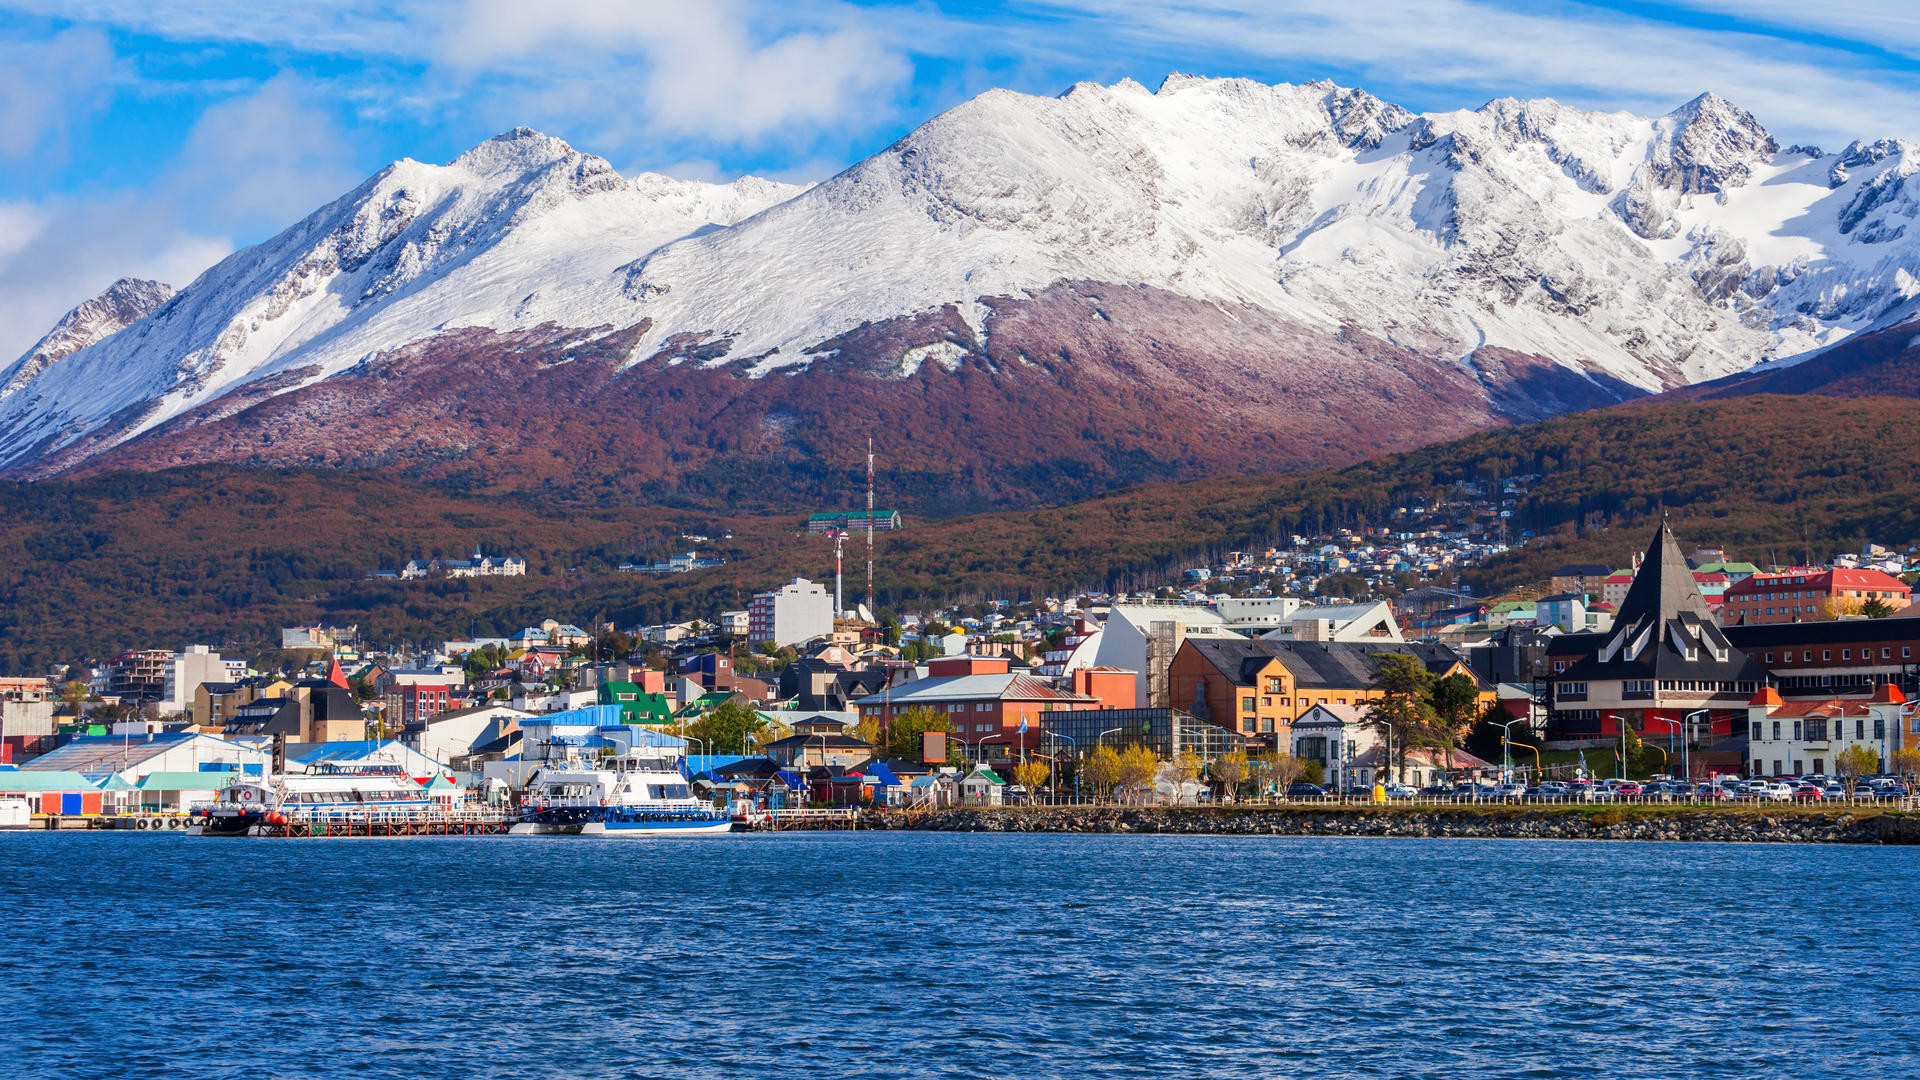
(830, 817)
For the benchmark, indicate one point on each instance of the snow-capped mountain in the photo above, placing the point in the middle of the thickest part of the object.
(1267, 258)
(125, 302)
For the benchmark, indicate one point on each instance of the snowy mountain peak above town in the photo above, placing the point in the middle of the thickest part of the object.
(123, 303)
(1543, 256)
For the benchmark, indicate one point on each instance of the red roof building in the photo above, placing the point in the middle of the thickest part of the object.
(1810, 594)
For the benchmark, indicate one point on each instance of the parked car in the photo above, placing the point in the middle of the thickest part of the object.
(1808, 793)
(1304, 790)
(1551, 791)
(1510, 792)
(1396, 790)
(1436, 791)
(1771, 791)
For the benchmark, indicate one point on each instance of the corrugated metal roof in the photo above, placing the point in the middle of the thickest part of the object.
(178, 780)
(23, 781)
(971, 688)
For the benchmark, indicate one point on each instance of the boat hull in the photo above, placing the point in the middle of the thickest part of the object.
(225, 824)
(656, 828)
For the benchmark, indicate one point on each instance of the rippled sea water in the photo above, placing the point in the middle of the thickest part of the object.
(944, 955)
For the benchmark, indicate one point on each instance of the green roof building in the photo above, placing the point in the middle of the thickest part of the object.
(636, 705)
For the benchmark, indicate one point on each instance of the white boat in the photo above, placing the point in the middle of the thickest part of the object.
(640, 794)
(323, 793)
(15, 814)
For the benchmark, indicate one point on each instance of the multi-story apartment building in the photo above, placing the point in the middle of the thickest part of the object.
(1809, 594)
(792, 614)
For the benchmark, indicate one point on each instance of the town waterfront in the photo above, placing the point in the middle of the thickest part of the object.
(937, 955)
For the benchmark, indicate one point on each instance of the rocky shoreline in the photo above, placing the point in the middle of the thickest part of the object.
(1809, 826)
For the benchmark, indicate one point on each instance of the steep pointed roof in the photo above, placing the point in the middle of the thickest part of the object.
(1663, 587)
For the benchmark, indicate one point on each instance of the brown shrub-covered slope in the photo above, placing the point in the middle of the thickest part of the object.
(1083, 389)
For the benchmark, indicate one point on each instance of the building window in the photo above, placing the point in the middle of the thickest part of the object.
(1246, 704)
(1796, 731)
(1879, 727)
(1846, 654)
(1859, 729)
(1769, 658)
(1776, 731)
(1276, 686)
(1826, 654)
(1756, 731)
(1807, 655)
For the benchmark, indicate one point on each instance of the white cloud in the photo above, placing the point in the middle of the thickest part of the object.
(20, 223)
(251, 164)
(723, 69)
(48, 85)
(1581, 55)
(262, 161)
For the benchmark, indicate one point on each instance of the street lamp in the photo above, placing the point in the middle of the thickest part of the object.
(1623, 743)
(983, 741)
(1053, 781)
(1506, 754)
(1686, 742)
(1897, 737)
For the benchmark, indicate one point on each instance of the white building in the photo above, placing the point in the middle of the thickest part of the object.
(1142, 638)
(132, 757)
(734, 623)
(1353, 755)
(1372, 622)
(792, 614)
(1803, 738)
(455, 734)
(190, 667)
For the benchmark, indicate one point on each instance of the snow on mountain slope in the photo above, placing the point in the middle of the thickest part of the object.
(125, 302)
(1622, 251)
(513, 232)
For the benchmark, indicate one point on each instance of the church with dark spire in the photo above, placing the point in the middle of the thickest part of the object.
(1664, 658)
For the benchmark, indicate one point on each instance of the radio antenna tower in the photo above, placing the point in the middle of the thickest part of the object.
(869, 525)
(839, 549)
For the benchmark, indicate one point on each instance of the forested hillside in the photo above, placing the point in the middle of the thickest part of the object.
(227, 555)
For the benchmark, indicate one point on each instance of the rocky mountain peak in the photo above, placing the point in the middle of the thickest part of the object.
(124, 303)
(1708, 145)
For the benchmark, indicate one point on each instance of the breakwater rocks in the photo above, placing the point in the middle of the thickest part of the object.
(1810, 826)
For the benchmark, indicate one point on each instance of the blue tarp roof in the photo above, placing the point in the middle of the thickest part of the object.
(879, 771)
(791, 779)
(346, 750)
(586, 716)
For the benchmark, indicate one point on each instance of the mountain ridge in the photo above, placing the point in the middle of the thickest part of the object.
(1518, 260)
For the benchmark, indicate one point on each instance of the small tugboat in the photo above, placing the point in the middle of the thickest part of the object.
(323, 791)
(638, 794)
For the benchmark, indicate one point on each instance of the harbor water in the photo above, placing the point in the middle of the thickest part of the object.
(954, 955)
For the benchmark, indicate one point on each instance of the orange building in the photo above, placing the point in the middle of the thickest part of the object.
(1258, 687)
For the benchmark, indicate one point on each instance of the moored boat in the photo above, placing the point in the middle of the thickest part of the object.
(640, 794)
(322, 793)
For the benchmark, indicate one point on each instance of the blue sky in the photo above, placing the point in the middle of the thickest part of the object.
(152, 137)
